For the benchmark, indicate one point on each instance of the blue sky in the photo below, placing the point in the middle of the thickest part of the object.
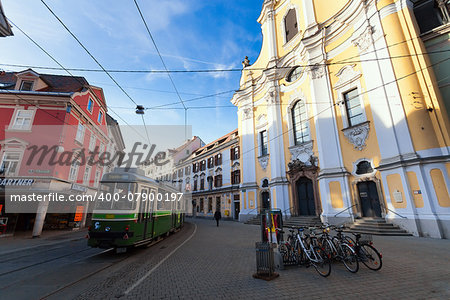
(190, 34)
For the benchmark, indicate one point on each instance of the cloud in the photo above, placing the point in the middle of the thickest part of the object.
(159, 14)
(150, 77)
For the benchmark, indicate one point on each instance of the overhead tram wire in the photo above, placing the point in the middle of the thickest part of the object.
(165, 67)
(212, 95)
(158, 54)
(87, 51)
(343, 62)
(146, 131)
(92, 56)
(75, 77)
(346, 61)
(220, 93)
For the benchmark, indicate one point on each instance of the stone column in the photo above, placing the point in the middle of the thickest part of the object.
(40, 218)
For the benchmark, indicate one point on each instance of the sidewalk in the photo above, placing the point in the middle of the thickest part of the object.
(22, 240)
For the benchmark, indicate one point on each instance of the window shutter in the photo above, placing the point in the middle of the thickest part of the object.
(291, 25)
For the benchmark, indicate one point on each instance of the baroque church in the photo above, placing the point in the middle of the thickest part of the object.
(341, 116)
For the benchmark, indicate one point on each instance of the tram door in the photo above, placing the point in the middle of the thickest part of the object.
(151, 209)
(143, 214)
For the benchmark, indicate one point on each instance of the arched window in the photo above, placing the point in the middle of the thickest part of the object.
(300, 123)
(290, 24)
(364, 167)
(294, 74)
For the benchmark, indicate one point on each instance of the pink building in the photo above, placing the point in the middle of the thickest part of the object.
(49, 125)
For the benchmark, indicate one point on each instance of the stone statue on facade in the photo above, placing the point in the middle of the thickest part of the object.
(246, 62)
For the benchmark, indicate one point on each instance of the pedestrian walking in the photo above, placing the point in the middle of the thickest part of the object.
(217, 216)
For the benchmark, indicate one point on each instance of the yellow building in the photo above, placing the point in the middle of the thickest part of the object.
(341, 117)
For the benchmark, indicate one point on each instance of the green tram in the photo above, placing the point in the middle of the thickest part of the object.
(133, 210)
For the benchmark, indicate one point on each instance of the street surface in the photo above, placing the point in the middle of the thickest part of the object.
(203, 261)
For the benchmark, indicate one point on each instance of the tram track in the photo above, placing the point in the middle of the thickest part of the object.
(56, 258)
(30, 254)
(42, 262)
(85, 276)
(38, 275)
(130, 254)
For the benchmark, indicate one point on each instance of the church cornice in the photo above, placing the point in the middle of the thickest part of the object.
(267, 10)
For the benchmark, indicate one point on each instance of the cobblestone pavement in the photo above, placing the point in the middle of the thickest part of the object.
(218, 262)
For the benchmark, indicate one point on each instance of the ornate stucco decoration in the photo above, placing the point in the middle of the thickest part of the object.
(317, 71)
(272, 95)
(346, 76)
(247, 113)
(261, 122)
(263, 161)
(302, 152)
(357, 135)
(365, 39)
(298, 166)
(270, 15)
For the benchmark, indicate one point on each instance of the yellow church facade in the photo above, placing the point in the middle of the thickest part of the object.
(341, 117)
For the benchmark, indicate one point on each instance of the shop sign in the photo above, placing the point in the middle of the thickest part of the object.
(16, 182)
(78, 214)
(80, 188)
(39, 171)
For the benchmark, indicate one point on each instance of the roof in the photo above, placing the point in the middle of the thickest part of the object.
(111, 121)
(56, 83)
(185, 144)
(5, 28)
(219, 141)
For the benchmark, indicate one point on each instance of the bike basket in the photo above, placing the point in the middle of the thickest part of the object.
(365, 238)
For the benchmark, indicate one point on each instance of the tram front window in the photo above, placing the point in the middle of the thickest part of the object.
(114, 196)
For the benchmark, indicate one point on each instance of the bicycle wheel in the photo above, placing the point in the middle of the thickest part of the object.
(349, 258)
(284, 251)
(370, 257)
(327, 248)
(299, 255)
(350, 241)
(321, 262)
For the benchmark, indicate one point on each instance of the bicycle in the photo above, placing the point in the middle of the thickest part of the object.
(365, 251)
(307, 253)
(338, 249)
(286, 249)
